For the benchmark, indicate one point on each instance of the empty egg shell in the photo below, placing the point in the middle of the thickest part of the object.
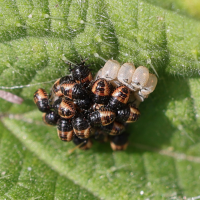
(151, 83)
(125, 74)
(98, 75)
(110, 70)
(147, 89)
(140, 78)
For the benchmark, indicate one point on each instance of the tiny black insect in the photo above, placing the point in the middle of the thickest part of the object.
(119, 142)
(83, 103)
(66, 109)
(119, 97)
(114, 128)
(73, 90)
(102, 117)
(41, 100)
(100, 135)
(65, 130)
(128, 114)
(101, 91)
(56, 104)
(81, 73)
(81, 127)
(84, 143)
(96, 106)
(56, 86)
(50, 118)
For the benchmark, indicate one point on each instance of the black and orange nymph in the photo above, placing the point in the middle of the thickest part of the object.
(81, 73)
(41, 100)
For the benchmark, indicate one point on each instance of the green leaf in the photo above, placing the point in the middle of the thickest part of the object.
(162, 161)
(184, 7)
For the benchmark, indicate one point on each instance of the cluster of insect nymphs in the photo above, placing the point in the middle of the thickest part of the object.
(84, 108)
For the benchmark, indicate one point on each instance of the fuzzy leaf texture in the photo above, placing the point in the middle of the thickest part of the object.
(162, 161)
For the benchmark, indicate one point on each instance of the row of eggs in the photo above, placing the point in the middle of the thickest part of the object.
(138, 80)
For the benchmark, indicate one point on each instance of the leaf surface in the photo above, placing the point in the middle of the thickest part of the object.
(162, 161)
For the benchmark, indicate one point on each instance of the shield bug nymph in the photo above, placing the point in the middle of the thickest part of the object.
(41, 100)
(65, 129)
